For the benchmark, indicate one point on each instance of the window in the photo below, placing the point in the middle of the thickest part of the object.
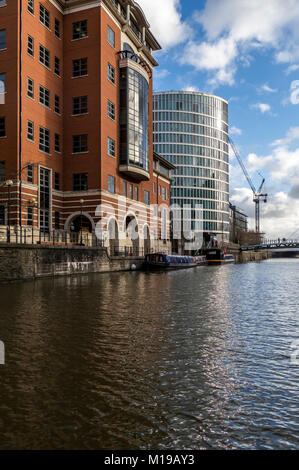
(2, 127)
(2, 39)
(80, 105)
(44, 96)
(125, 188)
(56, 220)
(2, 171)
(111, 110)
(163, 194)
(57, 181)
(44, 16)
(80, 143)
(2, 213)
(30, 45)
(130, 191)
(80, 29)
(57, 143)
(154, 188)
(2, 82)
(80, 67)
(29, 216)
(44, 140)
(57, 66)
(30, 130)
(136, 193)
(2, 3)
(57, 104)
(80, 182)
(31, 6)
(146, 197)
(111, 37)
(111, 73)
(44, 56)
(111, 147)
(44, 198)
(30, 174)
(30, 88)
(111, 184)
(57, 28)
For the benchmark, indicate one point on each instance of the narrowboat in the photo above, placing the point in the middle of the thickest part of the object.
(218, 256)
(163, 261)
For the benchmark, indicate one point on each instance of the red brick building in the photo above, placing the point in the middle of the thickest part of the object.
(76, 119)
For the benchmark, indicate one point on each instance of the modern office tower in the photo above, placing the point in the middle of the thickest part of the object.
(191, 131)
(76, 125)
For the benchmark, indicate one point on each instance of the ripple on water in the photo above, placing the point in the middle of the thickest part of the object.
(194, 359)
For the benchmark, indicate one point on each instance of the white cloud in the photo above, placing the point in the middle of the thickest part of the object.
(166, 21)
(235, 130)
(233, 28)
(216, 56)
(268, 89)
(292, 68)
(262, 107)
(190, 88)
(291, 136)
(280, 216)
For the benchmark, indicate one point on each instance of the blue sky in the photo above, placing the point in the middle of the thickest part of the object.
(247, 52)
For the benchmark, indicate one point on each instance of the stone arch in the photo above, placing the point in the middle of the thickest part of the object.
(146, 239)
(131, 229)
(113, 236)
(75, 215)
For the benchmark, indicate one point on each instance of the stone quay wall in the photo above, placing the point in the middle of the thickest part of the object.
(23, 262)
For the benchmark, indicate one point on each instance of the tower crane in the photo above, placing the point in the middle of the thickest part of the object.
(257, 193)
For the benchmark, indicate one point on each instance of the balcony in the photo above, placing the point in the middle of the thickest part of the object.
(134, 172)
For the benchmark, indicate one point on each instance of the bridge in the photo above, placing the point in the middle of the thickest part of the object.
(278, 246)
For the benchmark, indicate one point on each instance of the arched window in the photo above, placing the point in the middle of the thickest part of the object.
(129, 49)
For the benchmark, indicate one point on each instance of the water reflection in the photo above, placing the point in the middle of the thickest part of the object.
(180, 360)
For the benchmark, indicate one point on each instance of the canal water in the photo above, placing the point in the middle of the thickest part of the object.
(194, 359)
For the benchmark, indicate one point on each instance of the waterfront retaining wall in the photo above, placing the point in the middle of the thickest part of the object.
(31, 262)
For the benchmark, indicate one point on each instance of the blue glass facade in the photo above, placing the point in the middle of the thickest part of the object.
(191, 131)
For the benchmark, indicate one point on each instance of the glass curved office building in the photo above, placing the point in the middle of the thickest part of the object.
(191, 132)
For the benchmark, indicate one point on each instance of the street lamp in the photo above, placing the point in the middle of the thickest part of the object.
(9, 184)
(81, 203)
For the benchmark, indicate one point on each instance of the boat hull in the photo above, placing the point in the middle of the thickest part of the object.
(160, 261)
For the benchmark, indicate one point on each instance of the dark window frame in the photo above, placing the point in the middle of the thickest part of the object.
(44, 96)
(44, 16)
(80, 181)
(57, 66)
(1, 39)
(44, 56)
(57, 28)
(80, 30)
(80, 67)
(44, 140)
(30, 6)
(30, 130)
(80, 143)
(2, 126)
(79, 105)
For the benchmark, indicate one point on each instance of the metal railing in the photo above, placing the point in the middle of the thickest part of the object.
(128, 251)
(34, 236)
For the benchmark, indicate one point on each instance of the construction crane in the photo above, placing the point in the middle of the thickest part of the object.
(257, 194)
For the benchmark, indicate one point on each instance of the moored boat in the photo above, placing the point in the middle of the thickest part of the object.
(218, 256)
(164, 261)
